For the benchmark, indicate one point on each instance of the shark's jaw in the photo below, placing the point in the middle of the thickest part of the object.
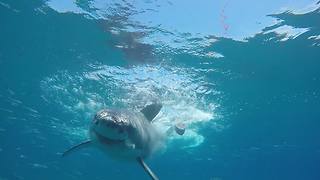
(106, 140)
(110, 126)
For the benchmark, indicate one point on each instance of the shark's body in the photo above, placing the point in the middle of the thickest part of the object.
(135, 137)
(125, 135)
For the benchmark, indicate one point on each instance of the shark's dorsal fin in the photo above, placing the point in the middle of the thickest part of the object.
(77, 147)
(147, 169)
(151, 111)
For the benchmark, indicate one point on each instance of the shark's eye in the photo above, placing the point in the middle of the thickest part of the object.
(96, 122)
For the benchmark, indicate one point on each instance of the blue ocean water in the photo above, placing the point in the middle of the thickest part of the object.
(250, 101)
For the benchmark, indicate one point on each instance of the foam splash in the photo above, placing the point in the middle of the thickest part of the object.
(190, 116)
(288, 32)
(181, 91)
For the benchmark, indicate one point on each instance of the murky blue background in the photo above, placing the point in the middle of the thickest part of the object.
(243, 76)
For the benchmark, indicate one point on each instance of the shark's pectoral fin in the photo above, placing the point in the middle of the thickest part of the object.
(151, 111)
(147, 169)
(77, 147)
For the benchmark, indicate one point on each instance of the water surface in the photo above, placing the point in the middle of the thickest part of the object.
(243, 76)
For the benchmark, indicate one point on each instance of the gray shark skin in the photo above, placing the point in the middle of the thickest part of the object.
(124, 135)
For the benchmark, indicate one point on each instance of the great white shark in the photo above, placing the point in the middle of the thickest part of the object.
(126, 135)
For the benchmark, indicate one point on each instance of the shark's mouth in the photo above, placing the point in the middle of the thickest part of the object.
(107, 140)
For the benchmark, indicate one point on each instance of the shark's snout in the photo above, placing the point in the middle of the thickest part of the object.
(110, 125)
